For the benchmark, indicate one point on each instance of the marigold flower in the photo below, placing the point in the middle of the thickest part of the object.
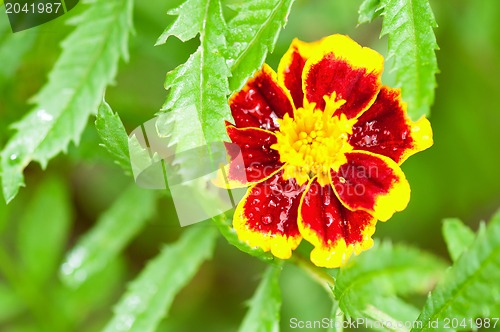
(322, 141)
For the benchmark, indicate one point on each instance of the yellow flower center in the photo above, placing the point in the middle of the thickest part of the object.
(313, 142)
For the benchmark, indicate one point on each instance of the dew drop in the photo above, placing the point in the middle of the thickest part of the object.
(266, 219)
(329, 219)
(13, 156)
(327, 200)
(44, 115)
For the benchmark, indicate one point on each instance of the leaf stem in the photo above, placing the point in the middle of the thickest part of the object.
(316, 273)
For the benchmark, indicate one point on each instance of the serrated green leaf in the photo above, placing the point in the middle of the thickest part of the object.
(390, 309)
(85, 299)
(368, 11)
(198, 89)
(412, 44)
(149, 297)
(113, 134)
(385, 270)
(264, 312)
(470, 288)
(87, 64)
(113, 231)
(457, 236)
(252, 33)
(43, 230)
(230, 235)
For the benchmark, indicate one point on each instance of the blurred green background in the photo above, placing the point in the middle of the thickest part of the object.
(457, 177)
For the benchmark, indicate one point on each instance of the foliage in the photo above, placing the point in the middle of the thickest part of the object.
(409, 25)
(151, 294)
(466, 291)
(109, 236)
(113, 134)
(253, 32)
(198, 88)
(381, 274)
(88, 63)
(83, 236)
(264, 311)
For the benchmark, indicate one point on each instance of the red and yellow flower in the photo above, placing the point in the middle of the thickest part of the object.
(322, 141)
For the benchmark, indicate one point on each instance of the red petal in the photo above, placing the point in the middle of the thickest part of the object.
(344, 67)
(371, 183)
(386, 129)
(291, 67)
(267, 216)
(259, 160)
(261, 102)
(335, 231)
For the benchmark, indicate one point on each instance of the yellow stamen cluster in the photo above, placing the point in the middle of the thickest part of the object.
(313, 142)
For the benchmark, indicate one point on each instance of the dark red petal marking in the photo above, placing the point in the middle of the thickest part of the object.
(272, 206)
(259, 159)
(323, 214)
(372, 183)
(385, 128)
(261, 102)
(267, 216)
(332, 74)
(291, 67)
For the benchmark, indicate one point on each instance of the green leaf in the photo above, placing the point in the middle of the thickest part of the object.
(87, 64)
(150, 295)
(409, 25)
(251, 34)
(264, 312)
(470, 288)
(43, 230)
(368, 11)
(390, 309)
(198, 89)
(230, 235)
(94, 296)
(385, 271)
(458, 237)
(113, 134)
(113, 231)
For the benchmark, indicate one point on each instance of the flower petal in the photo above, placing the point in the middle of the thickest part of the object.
(372, 183)
(259, 160)
(342, 66)
(335, 231)
(261, 102)
(291, 66)
(386, 129)
(267, 216)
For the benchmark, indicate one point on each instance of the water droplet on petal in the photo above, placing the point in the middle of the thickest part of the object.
(13, 156)
(327, 200)
(329, 219)
(266, 219)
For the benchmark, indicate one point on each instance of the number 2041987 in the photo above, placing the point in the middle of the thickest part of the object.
(40, 8)
(485, 323)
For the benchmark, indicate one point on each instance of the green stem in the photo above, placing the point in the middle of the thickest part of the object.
(316, 273)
